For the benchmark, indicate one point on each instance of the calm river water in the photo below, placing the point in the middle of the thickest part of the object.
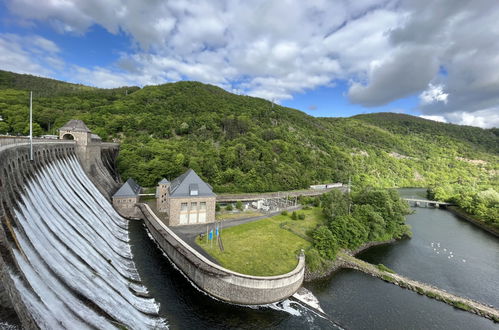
(352, 299)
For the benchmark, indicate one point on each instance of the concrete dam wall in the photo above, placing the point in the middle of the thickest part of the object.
(65, 260)
(216, 280)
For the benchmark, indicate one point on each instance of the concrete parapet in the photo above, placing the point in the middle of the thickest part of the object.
(216, 280)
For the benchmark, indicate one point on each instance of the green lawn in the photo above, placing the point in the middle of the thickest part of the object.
(264, 247)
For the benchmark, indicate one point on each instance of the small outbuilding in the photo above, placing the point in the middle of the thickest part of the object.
(126, 197)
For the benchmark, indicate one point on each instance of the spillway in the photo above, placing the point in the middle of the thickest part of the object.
(74, 256)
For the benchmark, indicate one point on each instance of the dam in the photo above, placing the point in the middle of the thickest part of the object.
(65, 257)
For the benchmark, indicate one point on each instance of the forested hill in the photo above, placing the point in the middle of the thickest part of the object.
(485, 139)
(241, 143)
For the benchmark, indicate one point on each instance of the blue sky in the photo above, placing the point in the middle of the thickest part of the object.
(325, 58)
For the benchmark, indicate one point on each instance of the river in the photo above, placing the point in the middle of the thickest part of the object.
(352, 299)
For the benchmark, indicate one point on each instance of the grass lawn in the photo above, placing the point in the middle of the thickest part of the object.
(264, 247)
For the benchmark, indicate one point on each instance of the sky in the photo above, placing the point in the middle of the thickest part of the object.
(434, 59)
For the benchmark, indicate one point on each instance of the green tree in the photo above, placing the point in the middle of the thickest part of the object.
(325, 242)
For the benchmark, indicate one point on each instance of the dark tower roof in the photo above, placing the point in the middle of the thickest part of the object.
(75, 125)
(129, 189)
(164, 181)
(188, 184)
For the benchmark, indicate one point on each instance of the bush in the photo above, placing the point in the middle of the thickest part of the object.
(294, 216)
(229, 207)
(239, 205)
(284, 213)
(306, 208)
(301, 216)
(217, 207)
(313, 260)
(385, 269)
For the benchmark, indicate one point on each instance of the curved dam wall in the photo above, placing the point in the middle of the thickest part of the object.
(217, 281)
(65, 257)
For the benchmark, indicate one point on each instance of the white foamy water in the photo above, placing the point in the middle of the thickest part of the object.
(76, 256)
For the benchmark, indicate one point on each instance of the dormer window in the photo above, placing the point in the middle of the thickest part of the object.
(193, 189)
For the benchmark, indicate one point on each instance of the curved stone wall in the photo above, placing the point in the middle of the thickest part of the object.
(218, 281)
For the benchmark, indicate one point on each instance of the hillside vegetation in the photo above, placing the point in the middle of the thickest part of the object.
(244, 144)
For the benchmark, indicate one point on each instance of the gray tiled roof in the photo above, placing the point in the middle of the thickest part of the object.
(163, 181)
(181, 186)
(75, 125)
(129, 189)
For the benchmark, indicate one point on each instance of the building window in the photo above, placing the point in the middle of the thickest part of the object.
(183, 207)
(194, 206)
(202, 206)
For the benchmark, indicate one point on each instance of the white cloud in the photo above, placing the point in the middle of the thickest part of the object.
(435, 118)
(434, 93)
(385, 49)
(31, 54)
(484, 118)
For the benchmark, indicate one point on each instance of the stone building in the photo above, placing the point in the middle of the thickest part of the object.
(126, 197)
(186, 200)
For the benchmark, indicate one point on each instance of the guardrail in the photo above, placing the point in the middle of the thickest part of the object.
(6, 140)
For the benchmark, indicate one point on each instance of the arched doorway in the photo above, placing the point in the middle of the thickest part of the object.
(68, 136)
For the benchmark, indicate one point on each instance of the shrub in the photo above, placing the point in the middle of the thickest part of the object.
(294, 216)
(229, 207)
(217, 207)
(284, 213)
(239, 205)
(313, 260)
(301, 216)
(385, 269)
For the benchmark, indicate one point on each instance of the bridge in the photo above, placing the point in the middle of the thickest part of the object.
(426, 203)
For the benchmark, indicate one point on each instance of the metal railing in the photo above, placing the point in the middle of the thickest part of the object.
(6, 140)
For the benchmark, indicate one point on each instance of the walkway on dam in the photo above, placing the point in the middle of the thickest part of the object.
(467, 304)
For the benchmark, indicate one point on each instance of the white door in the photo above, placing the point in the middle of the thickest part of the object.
(183, 218)
(202, 217)
(192, 217)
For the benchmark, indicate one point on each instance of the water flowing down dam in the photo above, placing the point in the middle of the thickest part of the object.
(71, 262)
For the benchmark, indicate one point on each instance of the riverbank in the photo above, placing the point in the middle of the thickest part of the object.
(470, 218)
(334, 265)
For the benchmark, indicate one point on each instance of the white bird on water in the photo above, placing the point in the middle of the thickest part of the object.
(464, 260)
(445, 250)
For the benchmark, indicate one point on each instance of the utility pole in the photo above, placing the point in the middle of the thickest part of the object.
(349, 198)
(31, 126)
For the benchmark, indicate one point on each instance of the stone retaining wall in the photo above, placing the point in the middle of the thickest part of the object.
(217, 281)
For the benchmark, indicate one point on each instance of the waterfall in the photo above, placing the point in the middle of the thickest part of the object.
(76, 256)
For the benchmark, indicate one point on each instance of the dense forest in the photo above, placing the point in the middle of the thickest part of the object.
(245, 144)
(366, 215)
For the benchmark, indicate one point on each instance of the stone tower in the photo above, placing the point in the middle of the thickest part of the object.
(162, 194)
(76, 130)
(88, 145)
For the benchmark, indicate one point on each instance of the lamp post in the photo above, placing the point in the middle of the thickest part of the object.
(31, 126)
